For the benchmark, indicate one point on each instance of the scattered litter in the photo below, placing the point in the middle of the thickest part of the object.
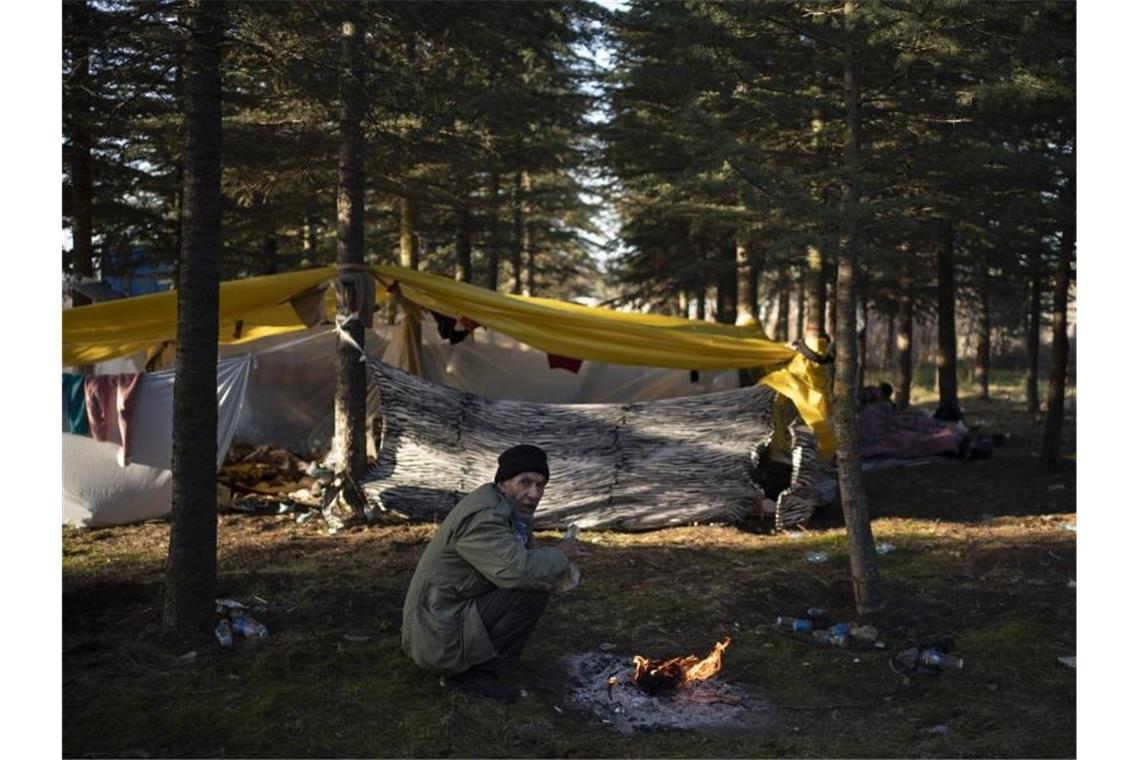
(356, 639)
(1057, 487)
(1070, 526)
(1072, 583)
(817, 557)
(223, 606)
(940, 730)
(856, 660)
(816, 612)
(606, 646)
(284, 507)
(261, 601)
(795, 535)
(189, 657)
(884, 548)
(304, 517)
(1070, 661)
(557, 709)
(223, 634)
(865, 633)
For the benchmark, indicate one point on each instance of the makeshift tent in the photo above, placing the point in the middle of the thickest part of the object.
(98, 492)
(266, 317)
(632, 466)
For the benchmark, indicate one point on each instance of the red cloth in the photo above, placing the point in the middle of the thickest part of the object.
(554, 361)
(110, 401)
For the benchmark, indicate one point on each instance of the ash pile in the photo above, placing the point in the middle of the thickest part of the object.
(601, 684)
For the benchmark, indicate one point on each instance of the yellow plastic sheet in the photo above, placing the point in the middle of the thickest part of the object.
(258, 307)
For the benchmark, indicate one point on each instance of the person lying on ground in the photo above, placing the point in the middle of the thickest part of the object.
(481, 585)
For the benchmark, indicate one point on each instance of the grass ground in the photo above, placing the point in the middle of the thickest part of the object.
(983, 556)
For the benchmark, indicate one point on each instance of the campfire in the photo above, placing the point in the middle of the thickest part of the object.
(677, 693)
(659, 676)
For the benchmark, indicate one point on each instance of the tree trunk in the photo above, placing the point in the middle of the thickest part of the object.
(269, 254)
(683, 304)
(745, 310)
(1033, 336)
(726, 286)
(518, 232)
(1059, 359)
(800, 297)
(783, 307)
(409, 252)
(982, 356)
(494, 241)
(889, 344)
(463, 230)
(79, 114)
(947, 336)
(905, 339)
(861, 344)
(702, 304)
(861, 542)
(191, 570)
(816, 291)
(351, 377)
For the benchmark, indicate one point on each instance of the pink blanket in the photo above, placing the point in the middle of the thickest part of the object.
(111, 401)
(883, 432)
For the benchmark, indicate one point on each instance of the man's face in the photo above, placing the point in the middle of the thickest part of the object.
(524, 491)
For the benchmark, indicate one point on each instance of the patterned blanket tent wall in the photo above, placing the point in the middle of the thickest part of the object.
(632, 466)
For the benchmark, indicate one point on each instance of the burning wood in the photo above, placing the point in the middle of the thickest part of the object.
(657, 676)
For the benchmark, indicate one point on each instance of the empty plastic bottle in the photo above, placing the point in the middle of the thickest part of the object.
(223, 633)
(246, 626)
(793, 624)
(932, 658)
(831, 636)
(816, 612)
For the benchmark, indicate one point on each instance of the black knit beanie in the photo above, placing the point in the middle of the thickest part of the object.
(521, 458)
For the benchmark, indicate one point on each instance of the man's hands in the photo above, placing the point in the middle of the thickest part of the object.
(571, 548)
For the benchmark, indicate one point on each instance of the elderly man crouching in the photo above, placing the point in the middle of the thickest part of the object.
(480, 586)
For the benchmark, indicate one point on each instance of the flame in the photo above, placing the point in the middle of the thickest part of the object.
(659, 675)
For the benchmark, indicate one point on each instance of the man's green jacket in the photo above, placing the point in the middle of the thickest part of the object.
(474, 551)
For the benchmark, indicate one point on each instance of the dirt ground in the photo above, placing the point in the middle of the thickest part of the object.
(985, 554)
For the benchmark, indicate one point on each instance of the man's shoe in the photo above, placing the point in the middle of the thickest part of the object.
(482, 683)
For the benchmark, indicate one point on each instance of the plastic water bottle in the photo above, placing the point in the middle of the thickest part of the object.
(932, 658)
(831, 636)
(816, 612)
(246, 626)
(793, 624)
(223, 633)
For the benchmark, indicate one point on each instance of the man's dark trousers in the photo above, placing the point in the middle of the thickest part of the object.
(509, 615)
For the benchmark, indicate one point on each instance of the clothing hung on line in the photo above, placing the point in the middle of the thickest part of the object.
(111, 401)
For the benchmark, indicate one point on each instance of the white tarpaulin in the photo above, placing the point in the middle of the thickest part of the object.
(98, 492)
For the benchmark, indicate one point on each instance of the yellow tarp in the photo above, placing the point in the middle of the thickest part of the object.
(118, 328)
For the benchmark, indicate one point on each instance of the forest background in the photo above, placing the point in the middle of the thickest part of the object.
(708, 185)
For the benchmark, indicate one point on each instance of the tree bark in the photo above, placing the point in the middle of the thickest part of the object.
(351, 377)
(726, 285)
(79, 114)
(191, 570)
(800, 298)
(905, 340)
(1059, 358)
(518, 232)
(463, 229)
(1033, 336)
(409, 252)
(816, 291)
(982, 356)
(862, 326)
(947, 335)
(702, 304)
(745, 309)
(494, 239)
(783, 307)
(861, 543)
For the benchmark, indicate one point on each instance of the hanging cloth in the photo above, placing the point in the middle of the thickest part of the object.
(75, 403)
(111, 401)
(554, 361)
